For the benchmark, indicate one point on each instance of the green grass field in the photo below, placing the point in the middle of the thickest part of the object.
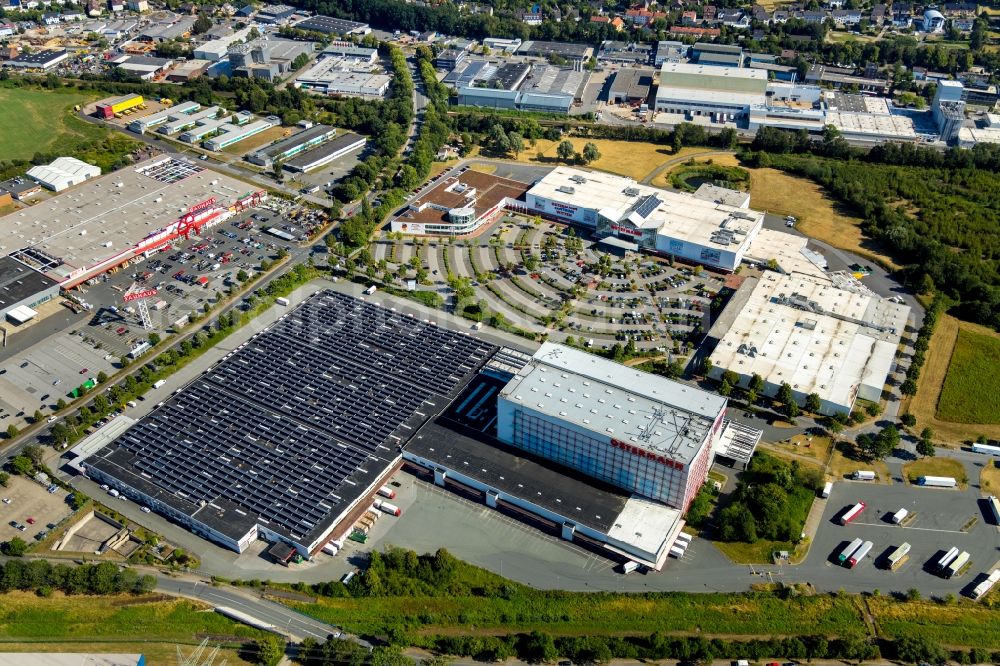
(969, 394)
(24, 616)
(37, 120)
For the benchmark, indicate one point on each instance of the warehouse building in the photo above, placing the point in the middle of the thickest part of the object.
(630, 86)
(204, 128)
(44, 60)
(360, 54)
(275, 14)
(674, 224)
(344, 76)
(291, 146)
(459, 205)
(63, 173)
(640, 432)
(232, 134)
(333, 26)
(539, 49)
(726, 93)
(188, 120)
(518, 86)
(116, 106)
(322, 155)
(266, 58)
(22, 288)
(142, 125)
(217, 49)
(837, 342)
(109, 221)
(250, 450)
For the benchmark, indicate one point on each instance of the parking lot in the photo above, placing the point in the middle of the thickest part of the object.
(540, 277)
(939, 519)
(30, 506)
(47, 364)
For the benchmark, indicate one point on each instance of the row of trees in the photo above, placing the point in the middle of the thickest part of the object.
(950, 244)
(43, 577)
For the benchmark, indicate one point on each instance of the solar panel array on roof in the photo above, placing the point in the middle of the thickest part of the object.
(647, 205)
(295, 424)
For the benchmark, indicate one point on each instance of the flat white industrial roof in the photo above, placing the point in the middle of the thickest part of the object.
(105, 216)
(844, 340)
(650, 412)
(872, 124)
(645, 524)
(784, 248)
(693, 95)
(713, 70)
(677, 215)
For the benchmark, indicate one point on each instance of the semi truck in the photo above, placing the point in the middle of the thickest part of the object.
(391, 509)
(852, 513)
(987, 449)
(898, 556)
(387, 492)
(946, 559)
(937, 481)
(849, 550)
(957, 565)
(864, 475)
(860, 554)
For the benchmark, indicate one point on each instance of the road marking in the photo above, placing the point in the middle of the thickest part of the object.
(921, 529)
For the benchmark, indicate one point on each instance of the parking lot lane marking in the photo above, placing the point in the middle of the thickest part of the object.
(921, 529)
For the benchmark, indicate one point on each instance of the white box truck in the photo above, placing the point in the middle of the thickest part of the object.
(863, 475)
(281, 300)
(159, 383)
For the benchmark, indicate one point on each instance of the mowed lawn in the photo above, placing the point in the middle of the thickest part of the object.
(970, 392)
(42, 121)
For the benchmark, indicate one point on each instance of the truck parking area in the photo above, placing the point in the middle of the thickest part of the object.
(937, 519)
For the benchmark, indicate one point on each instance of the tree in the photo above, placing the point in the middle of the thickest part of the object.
(725, 389)
(515, 144)
(4, 479)
(241, 275)
(792, 409)
(34, 453)
(37, 416)
(270, 650)
(925, 447)
(706, 366)
(731, 377)
(16, 547)
(60, 404)
(59, 432)
(154, 339)
(756, 383)
(12, 431)
(785, 395)
(908, 419)
(202, 24)
(591, 153)
(813, 403)
(565, 151)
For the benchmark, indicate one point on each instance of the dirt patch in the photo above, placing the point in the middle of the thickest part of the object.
(989, 479)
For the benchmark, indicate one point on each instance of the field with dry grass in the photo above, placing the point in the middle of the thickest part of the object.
(256, 141)
(936, 467)
(625, 158)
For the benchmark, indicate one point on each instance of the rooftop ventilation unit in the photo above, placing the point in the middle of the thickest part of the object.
(631, 191)
(579, 180)
(566, 189)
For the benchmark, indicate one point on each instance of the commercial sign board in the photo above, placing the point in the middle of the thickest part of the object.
(626, 230)
(642, 453)
(136, 295)
(207, 203)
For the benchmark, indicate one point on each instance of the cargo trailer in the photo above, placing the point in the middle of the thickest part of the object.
(995, 508)
(987, 449)
(827, 489)
(864, 475)
(849, 550)
(898, 556)
(676, 552)
(957, 565)
(946, 559)
(984, 587)
(900, 516)
(387, 492)
(391, 509)
(937, 481)
(852, 513)
(860, 554)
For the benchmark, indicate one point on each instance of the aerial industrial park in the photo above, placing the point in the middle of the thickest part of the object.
(405, 334)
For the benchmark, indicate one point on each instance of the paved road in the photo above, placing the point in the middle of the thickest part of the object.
(285, 621)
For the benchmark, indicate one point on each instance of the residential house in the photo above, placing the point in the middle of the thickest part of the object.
(814, 16)
(530, 16)
(689, 17)
(693, 31)
(877, 17)
(641, 17)
(846, 17)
